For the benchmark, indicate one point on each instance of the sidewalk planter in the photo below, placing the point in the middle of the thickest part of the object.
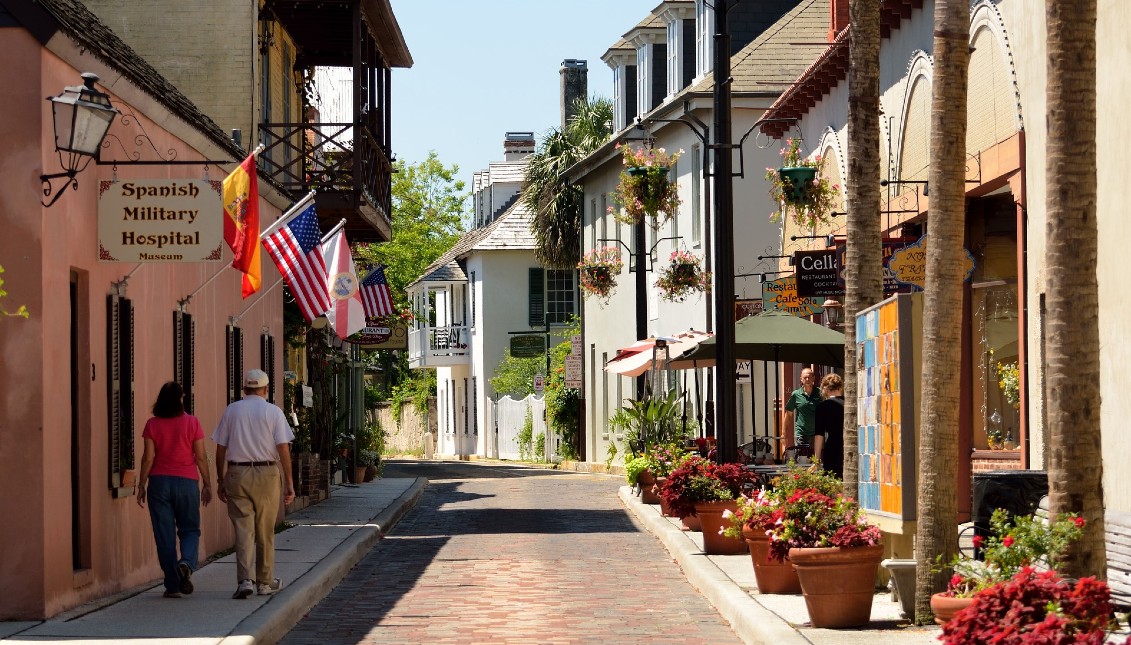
(665, 508)
(711, 517)
(946, 606)
(646, 482)
(773, 577)
(838, 583)
(903, 582)
(691, 523)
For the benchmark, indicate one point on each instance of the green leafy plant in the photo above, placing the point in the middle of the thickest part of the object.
(810, 204)
(525, 437)
(809, 518)
(598, 270)
(644, 189)
(701, 480)
(515, 376)
(683, 276)
(1022, 541)
(633, 467)
(563, 403)
(655, 421)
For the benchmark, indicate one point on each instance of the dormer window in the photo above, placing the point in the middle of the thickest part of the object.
(680, 48)
(651, 69)
(622, 60)
(704, 38)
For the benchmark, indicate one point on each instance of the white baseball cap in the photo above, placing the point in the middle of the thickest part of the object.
(256, 379)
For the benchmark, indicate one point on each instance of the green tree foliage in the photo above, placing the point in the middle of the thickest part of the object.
(557, 205)
(563, 403)
(515, 376)
(21, 312)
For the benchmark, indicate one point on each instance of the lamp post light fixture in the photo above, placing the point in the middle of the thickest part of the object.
(834, 309)
(81, 115)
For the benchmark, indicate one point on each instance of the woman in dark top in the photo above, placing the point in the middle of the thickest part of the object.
(829, 422)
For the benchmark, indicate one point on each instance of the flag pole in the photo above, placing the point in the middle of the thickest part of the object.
(297, 207)
(183, 302)
(235, 319)
(337, 228)
(258, 150)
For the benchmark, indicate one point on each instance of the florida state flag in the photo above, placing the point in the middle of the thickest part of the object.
(347, 312)
(241, 223)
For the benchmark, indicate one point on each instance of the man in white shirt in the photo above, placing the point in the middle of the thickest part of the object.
(252, 446)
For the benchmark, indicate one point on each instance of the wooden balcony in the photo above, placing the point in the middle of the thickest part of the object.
(439, 346)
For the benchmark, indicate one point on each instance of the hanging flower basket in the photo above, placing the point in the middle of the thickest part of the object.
(683, 276)
(598, 270)
(799, 189)
(644, 189)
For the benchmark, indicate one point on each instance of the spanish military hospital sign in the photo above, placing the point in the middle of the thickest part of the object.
(160, 220)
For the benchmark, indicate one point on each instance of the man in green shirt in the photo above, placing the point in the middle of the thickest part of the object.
(800, 409)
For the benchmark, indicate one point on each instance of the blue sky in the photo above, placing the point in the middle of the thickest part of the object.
(485, 68)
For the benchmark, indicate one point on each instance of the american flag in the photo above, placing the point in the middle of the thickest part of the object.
(295, 248)
(375, 294)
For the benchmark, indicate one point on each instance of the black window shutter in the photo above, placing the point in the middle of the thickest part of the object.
(537, 297)
(183, 354)
(229, 364)
(267, 359)
(237, 391)
(126, 344)
(114, 386)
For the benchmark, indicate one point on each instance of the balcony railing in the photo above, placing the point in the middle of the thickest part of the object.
(328, 158)
(429, 346)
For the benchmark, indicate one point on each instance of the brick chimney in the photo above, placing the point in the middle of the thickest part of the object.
(517, 145)
(839, 18)
(574, 83)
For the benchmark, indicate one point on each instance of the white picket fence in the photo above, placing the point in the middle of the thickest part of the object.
(510, 415)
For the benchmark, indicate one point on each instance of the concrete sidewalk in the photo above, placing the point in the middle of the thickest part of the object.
(311, 558)
(727, 581)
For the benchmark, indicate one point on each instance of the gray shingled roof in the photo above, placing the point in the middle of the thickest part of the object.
(84, 27)
(511, 231)
(774, 60)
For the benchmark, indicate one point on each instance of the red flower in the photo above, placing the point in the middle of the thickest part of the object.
(1080, 522)
(978, 541)
(955, 580)
(1007, 541)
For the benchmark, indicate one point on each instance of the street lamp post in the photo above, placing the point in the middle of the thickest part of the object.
(726, 424)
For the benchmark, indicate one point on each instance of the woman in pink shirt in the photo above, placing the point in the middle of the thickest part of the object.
(174, 455)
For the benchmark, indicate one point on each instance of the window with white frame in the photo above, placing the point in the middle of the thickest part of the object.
(593, 219)
(559, 296)
(618, 98)
(696, 196)
(672, 177)
(674, 75)
(643, 79)
(704, 38)
(604, 215)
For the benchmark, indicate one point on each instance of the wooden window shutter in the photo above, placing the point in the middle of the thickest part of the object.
(184, 348)
(114, 386)
(537, 297)
(126, 345)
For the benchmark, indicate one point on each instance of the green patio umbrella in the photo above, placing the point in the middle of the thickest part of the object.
(773, 336)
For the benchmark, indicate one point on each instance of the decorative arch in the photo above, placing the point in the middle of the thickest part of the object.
(912, 154)
(994, 103)
(836, 163)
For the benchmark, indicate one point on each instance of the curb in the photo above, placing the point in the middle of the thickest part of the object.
(751, 621)
(270, 623)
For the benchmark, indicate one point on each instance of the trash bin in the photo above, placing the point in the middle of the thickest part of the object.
(1017, 491)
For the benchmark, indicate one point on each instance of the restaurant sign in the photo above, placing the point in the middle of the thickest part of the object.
(377, 334)
(817, 273)
(160, 220)
(781, 295)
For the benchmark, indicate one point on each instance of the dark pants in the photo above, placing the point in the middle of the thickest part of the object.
(174, 509)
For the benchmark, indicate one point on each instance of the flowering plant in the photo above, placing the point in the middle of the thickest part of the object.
(701, 480)
(683, 275)
(1021, 542)
(1009, 379)
(663, 459)
(644, 188)
(1032, 607)
(598, 270)
(809, 195)
(758, 512)
(809, 518)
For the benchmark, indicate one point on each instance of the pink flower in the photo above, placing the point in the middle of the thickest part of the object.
(1007, 541)
(955, 580)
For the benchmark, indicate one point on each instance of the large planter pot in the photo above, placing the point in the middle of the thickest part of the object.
(945, 607)
(711, 517)
(647, 495)
(772, 576)
(371, 473)
(665, 508)
(691, 523)
(838, 583)
(903, 583)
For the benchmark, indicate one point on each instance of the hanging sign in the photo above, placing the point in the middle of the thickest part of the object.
(160, 220)
(377, 334)
(817, 273)
(528, 345)
(744, 308)
(908, 265)
(781, 295)
(575, 345)
(539, 383)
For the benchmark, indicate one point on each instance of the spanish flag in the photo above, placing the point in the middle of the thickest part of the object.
(241, 223)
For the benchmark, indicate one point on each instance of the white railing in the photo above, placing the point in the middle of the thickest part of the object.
(511, 417)
(427, 344)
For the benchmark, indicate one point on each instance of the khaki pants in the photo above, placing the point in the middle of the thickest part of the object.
(253, 504)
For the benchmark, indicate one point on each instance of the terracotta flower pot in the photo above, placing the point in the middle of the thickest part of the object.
(838, 583)
(711, 517)
(646, 481)
(665, 508)
(691, 523)
(772, 576)
(945, 606)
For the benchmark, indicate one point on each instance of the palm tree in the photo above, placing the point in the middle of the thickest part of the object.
(937, 508)
(1073, 346)
(863, 277)
(557, 205)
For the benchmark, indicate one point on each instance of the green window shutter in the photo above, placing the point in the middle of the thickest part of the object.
(537, 298)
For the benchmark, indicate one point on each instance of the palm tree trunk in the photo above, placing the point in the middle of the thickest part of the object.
(863, 277)
(937, 526)
(1073, 347)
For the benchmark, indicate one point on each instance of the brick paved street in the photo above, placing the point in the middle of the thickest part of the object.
(503, 554)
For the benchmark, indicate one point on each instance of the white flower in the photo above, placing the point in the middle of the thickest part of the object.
(727, 514)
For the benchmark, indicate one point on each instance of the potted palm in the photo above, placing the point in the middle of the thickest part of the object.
(707, 490)
(798, 187)
(683, 276)
(598, 270)
(644, 189)
(835, 552)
